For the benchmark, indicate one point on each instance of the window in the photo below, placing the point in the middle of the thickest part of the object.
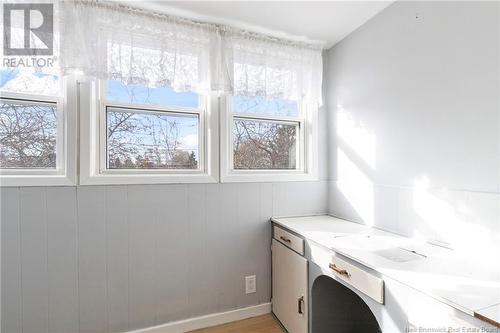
(266, 145)
(150, 110)
(151, 128)
(266, 139)
(28, 132)
(146, 139)
(270, 116)
(149, 135)
(35, 125)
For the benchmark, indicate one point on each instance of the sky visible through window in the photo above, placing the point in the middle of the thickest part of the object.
(27, 80)
(7, 75)
(260, 105)
(140, 94)
(10, 75)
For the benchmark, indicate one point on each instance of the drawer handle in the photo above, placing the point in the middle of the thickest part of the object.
(300, 305)
(286, 240)
(338, 270)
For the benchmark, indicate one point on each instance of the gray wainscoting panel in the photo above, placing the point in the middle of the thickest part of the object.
(266, 210)
(11, 260)
(117, 258)
(92, 258)
(143, 206)
(97, 259)
(34, 276)
(199, 288)
(249, 236)
(173, 260)
(62, 259)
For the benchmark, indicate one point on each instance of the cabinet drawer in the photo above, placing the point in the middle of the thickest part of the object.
(360, 279)
(290, 240)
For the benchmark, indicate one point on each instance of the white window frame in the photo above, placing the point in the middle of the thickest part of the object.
(66, 141)
(307, 143)
(93, 168)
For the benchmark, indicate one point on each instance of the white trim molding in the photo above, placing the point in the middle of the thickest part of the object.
(208, 320)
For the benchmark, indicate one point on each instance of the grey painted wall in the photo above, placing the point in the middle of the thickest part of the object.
(414, 123)
(117, 258)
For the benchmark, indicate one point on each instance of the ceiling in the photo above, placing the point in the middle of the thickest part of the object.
(324, 22)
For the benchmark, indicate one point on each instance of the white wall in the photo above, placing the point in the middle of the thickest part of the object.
(414, 123)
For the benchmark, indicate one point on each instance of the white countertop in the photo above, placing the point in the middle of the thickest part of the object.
(471, 285)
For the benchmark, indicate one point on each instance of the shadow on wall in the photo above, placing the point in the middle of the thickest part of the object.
(462, 220)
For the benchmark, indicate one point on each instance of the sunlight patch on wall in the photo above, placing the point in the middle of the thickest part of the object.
(356, 136)
(450, 222)
(356, 187)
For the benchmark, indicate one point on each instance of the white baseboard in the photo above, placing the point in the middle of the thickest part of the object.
(213, 319)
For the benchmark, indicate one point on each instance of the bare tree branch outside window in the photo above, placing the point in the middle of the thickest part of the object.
(28, 132)
(142, 140)
(264, 144)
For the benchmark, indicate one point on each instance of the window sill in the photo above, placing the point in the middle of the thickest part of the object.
(130, 179)
(36, 180)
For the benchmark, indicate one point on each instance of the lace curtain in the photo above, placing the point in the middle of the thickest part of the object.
(261, 66)
(112, 41)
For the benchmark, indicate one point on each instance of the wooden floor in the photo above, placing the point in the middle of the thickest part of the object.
(261, 324)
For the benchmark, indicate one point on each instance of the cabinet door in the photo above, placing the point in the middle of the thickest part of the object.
(290, 300)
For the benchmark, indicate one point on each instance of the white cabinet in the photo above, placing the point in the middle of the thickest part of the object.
(290, 301)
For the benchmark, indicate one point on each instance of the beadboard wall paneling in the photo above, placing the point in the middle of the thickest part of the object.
(117, 258)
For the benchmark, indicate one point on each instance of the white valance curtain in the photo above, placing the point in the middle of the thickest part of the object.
(111, 41)
(256, 65)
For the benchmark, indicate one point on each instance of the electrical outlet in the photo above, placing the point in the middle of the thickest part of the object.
(250, 284)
